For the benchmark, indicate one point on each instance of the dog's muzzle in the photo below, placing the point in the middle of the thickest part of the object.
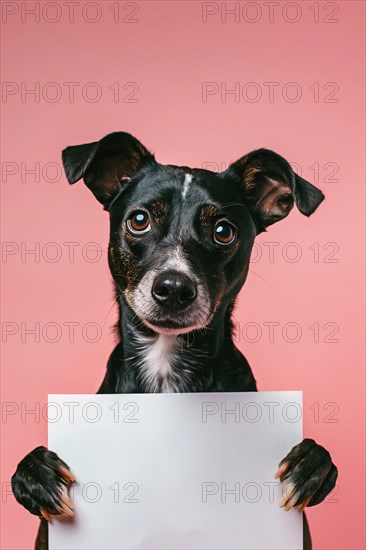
(169, 300)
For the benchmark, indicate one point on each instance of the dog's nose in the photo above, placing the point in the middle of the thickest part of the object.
(173, 289)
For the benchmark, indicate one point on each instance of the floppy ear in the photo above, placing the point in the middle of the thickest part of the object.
(105, 165)
(272, 187)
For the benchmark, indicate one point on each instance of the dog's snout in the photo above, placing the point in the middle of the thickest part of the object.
(173, 289)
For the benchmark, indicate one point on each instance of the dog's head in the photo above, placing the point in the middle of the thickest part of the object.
(181, 238)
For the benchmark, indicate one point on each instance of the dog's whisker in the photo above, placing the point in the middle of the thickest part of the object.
(260, 277)
(115, 301)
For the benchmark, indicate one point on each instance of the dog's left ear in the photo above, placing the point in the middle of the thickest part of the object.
(272, 187)
(105, 165)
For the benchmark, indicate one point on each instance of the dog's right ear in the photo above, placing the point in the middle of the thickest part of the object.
(272, 187)
(105, 165)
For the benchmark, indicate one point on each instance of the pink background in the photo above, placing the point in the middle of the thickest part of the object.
(169, 52)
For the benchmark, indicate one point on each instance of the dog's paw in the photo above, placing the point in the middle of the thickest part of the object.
(41, 483)
(308, 475)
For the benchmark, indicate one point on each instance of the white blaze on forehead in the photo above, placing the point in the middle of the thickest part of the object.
(187, 181)
(177, 262)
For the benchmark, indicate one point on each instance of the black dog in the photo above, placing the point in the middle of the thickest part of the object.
(179, 251)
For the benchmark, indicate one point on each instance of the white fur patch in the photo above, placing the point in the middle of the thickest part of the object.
(155, 360)
(187, 181)
(177, 261)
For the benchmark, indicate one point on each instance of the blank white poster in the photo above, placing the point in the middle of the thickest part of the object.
(176, 471)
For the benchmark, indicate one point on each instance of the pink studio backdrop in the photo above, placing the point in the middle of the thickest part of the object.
(158, 55)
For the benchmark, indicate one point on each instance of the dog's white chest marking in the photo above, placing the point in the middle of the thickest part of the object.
(156, 357)
(187, 181)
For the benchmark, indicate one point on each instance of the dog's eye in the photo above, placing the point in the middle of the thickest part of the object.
(224, 232)
(139, 222)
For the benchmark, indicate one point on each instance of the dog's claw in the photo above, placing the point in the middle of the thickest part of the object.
(281, 470)
(67, 474)
(290, 503)
(304, 504)
(309, 475)
(64, 509)
(45, 515)
(287, 497)
(67, 505)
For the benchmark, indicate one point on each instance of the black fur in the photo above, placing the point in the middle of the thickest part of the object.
(254, 192)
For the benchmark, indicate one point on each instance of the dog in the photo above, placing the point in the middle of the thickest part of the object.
(179, 252)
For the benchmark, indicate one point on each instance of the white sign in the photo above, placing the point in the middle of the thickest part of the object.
(176, 471)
